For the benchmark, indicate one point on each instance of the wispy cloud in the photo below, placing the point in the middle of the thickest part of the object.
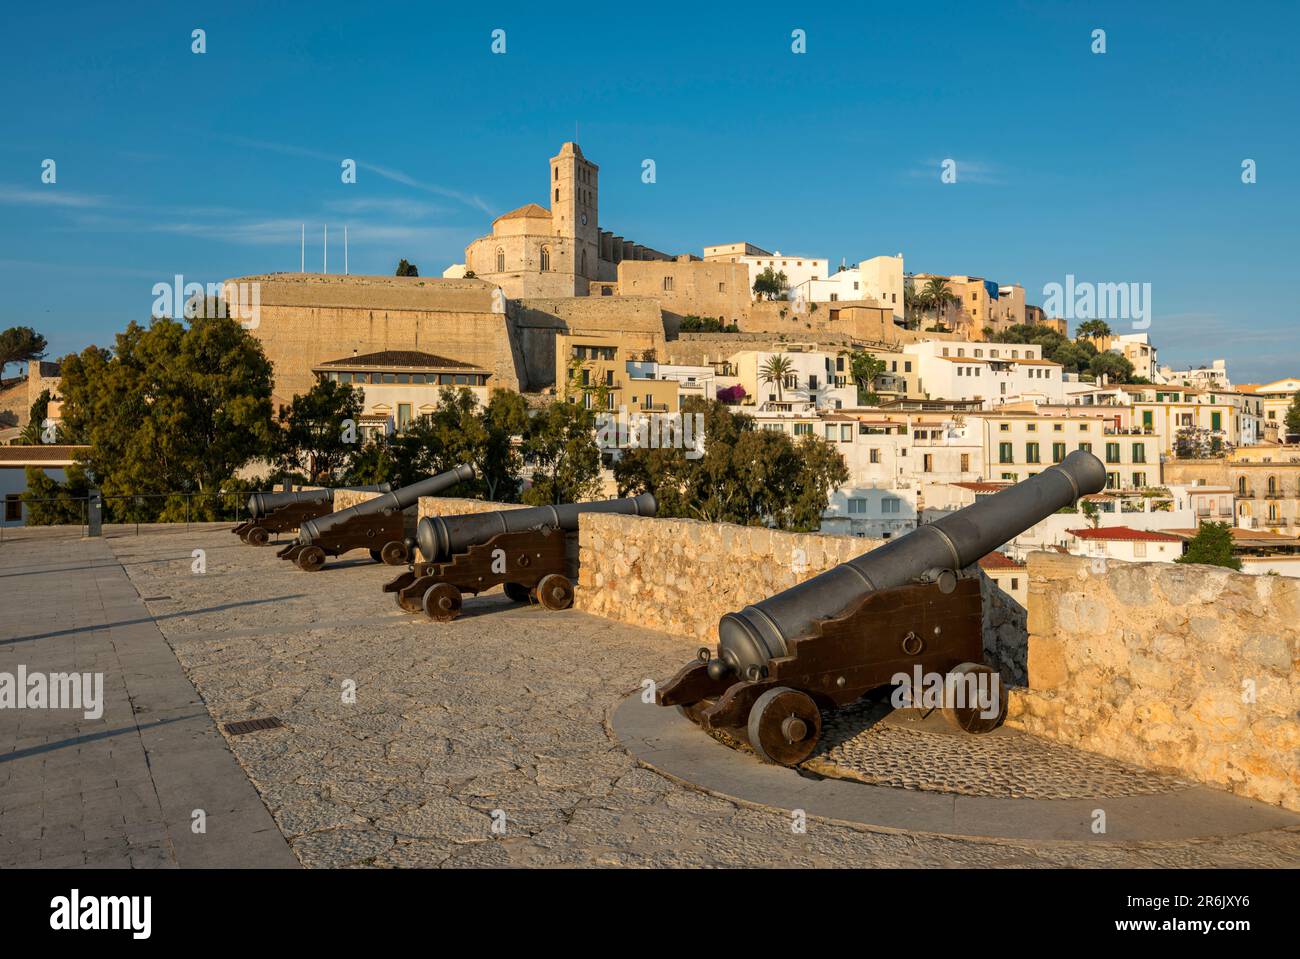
(51, 195)
(388, 173)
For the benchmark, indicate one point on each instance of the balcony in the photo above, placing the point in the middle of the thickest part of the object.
(1275, 494)
(1275, 522)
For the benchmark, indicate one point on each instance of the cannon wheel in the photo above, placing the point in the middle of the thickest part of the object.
(257, 536)
(412, 604)
(968, 718)
(311, 559)
(555, 592)
(442, 602)
(784, 726)
(518, 592)
(375, 555)
(393, 553)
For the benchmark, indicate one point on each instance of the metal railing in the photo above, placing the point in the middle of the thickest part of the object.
(222, 506)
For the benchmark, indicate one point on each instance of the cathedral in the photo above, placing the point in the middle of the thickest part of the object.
(560, 252)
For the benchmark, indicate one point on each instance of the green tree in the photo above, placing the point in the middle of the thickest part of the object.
(1211, 546)
(1293, 416)
(174, 407)
(463, 431)
(774, 370)
(559, 447)
(1116, 368)
(20, 344)
(1091, 328)
(313, 437)
(864, 368)
(770, 284)
(746, 475)
(407, 269)
(51, 503)
(33, 434)
(938, 296)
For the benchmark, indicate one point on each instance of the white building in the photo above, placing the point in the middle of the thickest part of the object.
(53, 460)
(1212, 377)
(700, 381)
(1124, 544)
(993, 373)
(797, 269)
(879, 278)
(815, 377)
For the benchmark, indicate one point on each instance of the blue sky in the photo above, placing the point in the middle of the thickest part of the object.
(1122, 167)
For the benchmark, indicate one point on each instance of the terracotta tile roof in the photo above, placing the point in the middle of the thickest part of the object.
(44, 453)
(1123, 534)
(997, 560)
(529, 210)
(404, 359)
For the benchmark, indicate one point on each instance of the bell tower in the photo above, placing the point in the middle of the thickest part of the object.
(574, 191)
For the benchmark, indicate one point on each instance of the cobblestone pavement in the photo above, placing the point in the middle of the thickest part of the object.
(503, 709)
(863, 744)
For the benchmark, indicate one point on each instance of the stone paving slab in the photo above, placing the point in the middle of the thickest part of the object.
(500, 712)
(117, 790)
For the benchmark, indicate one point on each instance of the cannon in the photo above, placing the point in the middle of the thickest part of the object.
(910, 607)
(280, 512)
(531, 553)
(378, 525)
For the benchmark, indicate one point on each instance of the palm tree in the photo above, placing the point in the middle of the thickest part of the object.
(775, 369)
(938, 295)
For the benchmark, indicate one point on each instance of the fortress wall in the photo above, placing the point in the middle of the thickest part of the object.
(306, 321)
(680, 576)
(1190, 670)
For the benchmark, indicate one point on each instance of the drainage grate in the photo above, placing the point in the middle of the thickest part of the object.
(252, 725)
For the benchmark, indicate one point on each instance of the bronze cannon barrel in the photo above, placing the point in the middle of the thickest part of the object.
(259, 504)
(441, 537)
(391, 502)
(750, 638)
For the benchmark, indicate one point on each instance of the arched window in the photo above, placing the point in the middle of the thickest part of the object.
(557, 194)
(1241, 486)
(501, 260)
(1272, 485)
(546, 258)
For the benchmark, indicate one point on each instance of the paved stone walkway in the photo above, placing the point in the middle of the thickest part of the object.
(119, 789)
(501, 712)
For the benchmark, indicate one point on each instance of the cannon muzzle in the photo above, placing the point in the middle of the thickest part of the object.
(259, 504)
(441, 537)
(750, 638)
(390, 502)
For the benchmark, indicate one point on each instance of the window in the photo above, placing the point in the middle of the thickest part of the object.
(1112, 481)
(803, 429)
(1086, 447)
(546, 259)
(1058, 427)
(1004, 427)
(830, 431)
(403, 415)
(1139, 453)
(875, 456)
(1004, 453)
(1032, 427)
(965, 462)
(1139, 480)
(501, 258)
(1112, 452)
(890, 504)
(846, 433)
(1139, 550)
(1058, 452)
(857, 506)
(668, 284)
(928, 463)
(1031, 453)
(13, 507)
(1015, 582)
